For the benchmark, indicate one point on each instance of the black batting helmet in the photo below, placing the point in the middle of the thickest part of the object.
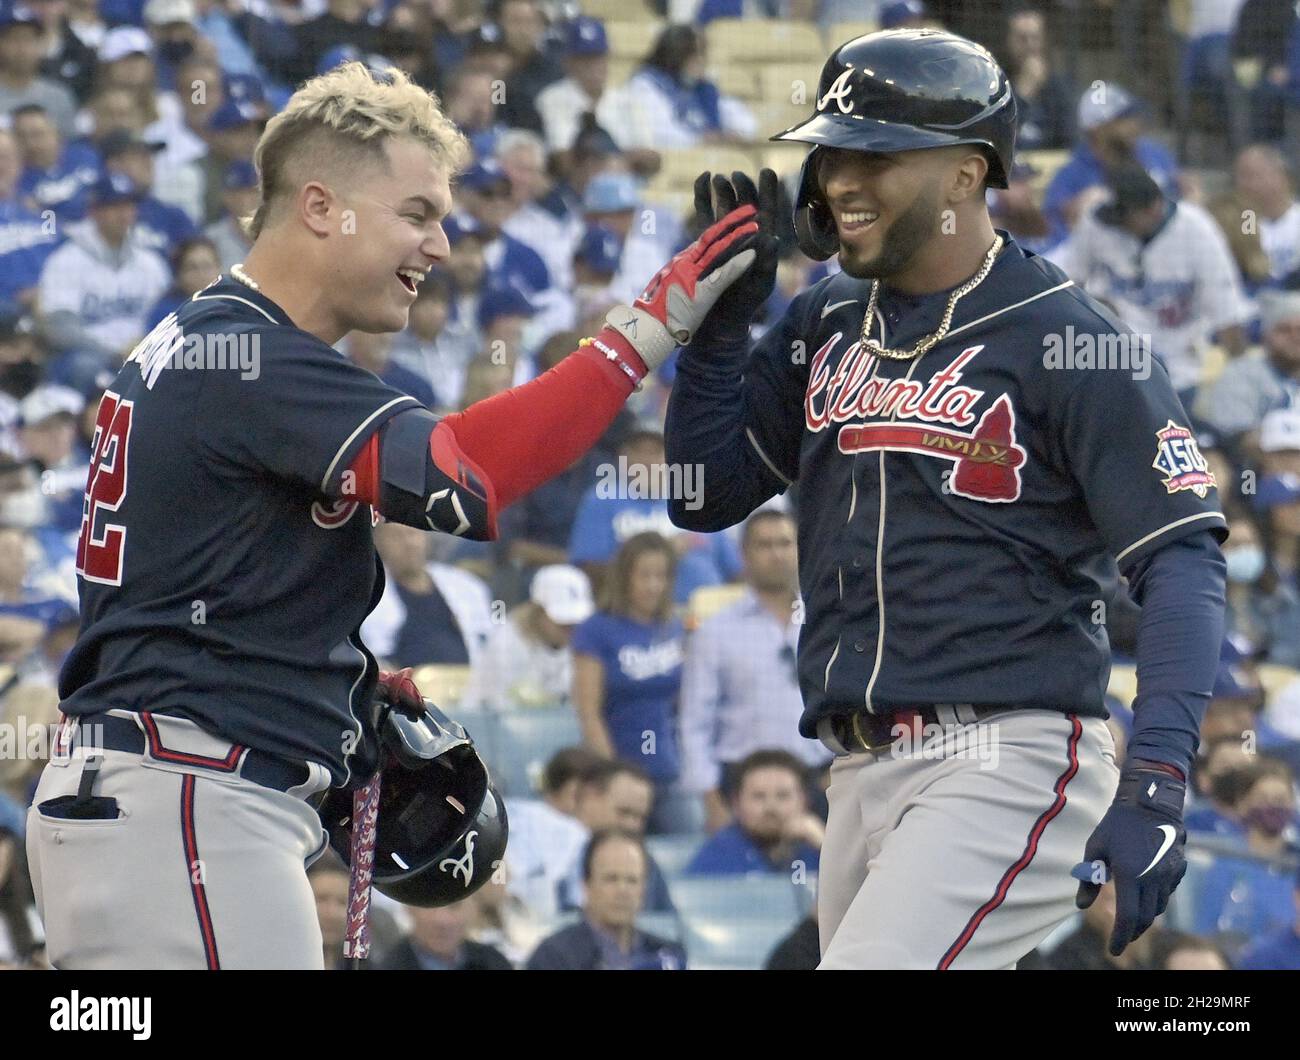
(442, 827)
(902, 90)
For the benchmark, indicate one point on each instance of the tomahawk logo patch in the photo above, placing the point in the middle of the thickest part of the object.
(1179, 459)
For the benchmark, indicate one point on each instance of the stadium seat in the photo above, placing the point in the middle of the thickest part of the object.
(842, 32)
(774, 118)
(442, 684)
(619, 10)
(1275, 678)
(790, 83)
(723, 896)
(666, 925)
(672, 853)
(736, 80)
(631, 40)
(1045, 164)
(784, 158)
(733, 40)
(1181, 912)
(734, 943)
(522, 740)
(681, 167)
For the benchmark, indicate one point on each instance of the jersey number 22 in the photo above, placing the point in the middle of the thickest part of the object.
(99, 555)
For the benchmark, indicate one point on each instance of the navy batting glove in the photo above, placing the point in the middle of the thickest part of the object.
(1140, 841)
(715, 197)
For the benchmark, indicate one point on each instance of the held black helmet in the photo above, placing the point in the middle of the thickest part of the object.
(442, 827)
(901, 90)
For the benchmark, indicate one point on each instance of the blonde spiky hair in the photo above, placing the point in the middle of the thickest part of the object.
(342, 120)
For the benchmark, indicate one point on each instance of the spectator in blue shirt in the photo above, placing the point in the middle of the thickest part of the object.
(372, 352)
(1110, 129)
(631, 497)
(54, 177)
(26, 239)
(194, 266)
(628, 670)
(1252, 898)
(607, 938)
(1280, 950)
(158, 226)
(774, 832)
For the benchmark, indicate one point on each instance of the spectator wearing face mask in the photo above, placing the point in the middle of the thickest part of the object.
(1247, 563)
(1218, 786)
(1250, 898)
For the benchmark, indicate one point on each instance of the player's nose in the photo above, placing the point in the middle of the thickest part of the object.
(436, 246)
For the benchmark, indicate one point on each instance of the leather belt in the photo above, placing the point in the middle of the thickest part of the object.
(852, 732)
(109, 732)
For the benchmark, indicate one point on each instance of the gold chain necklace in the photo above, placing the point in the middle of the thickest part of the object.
(926, 344)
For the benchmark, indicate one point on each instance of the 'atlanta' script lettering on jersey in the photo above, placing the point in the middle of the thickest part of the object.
(853, 393)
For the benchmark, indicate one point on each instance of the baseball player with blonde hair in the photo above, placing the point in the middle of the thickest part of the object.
(219, 686)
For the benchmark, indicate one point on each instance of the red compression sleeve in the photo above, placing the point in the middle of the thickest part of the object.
(523, 436)
(530, 433)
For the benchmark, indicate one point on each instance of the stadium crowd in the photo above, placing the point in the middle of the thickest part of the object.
(638, 681)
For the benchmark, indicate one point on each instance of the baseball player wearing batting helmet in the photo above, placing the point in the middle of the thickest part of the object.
(219, 687)
(968, 493)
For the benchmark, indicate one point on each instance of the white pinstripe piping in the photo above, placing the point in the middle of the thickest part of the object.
(233, 298)
(749, 433)
(1168, 526)
(1007, 309)
(826, 682)
(329, 472)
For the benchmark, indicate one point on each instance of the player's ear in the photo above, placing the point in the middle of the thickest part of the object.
(315, 205)
(966, 178)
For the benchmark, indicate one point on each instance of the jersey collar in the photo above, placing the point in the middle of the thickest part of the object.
(228, 290)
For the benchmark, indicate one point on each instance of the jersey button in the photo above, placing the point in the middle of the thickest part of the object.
(859, 646)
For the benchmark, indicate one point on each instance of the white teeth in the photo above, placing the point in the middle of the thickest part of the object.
(414, 275)
(857, 218)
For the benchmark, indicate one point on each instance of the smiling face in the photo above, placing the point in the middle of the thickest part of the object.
(394, 239)
(886, 207)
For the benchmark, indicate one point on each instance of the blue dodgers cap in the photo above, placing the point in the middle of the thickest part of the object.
(17, 15)
(586, 36)
(112, 188)
(247, 87)
(894, 14)
(600, 250)
(484, 174)
(458, 226)
(1107, 102)
(1277, 490)
(234, 113)
(239, 175)
(611, 193)
(501, 300)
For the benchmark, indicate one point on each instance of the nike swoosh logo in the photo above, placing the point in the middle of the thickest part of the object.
(828, 310)
(1171, 834)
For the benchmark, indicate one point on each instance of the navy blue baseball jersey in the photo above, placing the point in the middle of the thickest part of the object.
(223, 573)
(961, 512)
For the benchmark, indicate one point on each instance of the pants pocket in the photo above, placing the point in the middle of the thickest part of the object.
(84, 862)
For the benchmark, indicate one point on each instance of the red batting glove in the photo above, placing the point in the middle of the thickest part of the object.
(398, 689)
(679, 297)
